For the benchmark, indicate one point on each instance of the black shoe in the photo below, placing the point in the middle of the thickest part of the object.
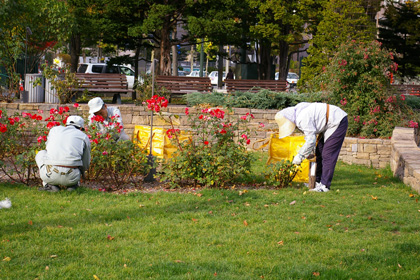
(72, 188)
(49, 188)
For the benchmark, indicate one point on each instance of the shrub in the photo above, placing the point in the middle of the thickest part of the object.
(358, 80)
(281, 174)
(216, 153)
(264, 99)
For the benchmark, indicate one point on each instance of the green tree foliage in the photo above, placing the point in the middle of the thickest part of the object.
(342, 21)
(359, 80)
(20, 20)
(280, 24)
(399, 30)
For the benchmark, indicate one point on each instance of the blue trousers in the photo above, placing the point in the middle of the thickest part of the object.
(327, 154)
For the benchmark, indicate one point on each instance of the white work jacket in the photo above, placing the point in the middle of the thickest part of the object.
(311, 120)
(68, 146)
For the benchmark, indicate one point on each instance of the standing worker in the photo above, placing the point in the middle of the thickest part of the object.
(326, 121)
(97, 107)
(66, 157)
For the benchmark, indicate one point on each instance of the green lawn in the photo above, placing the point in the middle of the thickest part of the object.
(367, 227)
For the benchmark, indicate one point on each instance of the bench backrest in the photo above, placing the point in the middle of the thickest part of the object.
(103, 81)
(407, 89)
(255, 85)
(182, 84)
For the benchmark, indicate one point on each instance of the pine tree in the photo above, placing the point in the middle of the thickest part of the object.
(400, 31)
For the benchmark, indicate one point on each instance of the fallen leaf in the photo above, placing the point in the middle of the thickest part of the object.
(59, 226)
(399, 266)
(293, 202)
(194, 220)
(280, 242)
(141, 205)
(247, 204)
(411, 195)
(109, 237)
(125, 265)
(31, 223)
(178, 261)
(95, 277)
(245, 223)
(53, 256)
(266, 205)
(47, 268)
(316, 274)
(374, 197)
(199, 194)
(215, 274)
(7, 259)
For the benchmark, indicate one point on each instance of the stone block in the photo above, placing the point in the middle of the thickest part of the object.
(363, 156)
(369, 148)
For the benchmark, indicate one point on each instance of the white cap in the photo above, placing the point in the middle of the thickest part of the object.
(95, 105)
(76, 121)
(286, 127)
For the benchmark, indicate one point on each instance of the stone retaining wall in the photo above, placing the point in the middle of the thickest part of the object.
(375, 153)
(405, 155)
(369, 152)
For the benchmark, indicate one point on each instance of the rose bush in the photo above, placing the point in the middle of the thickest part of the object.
(114, 164)
(358, 79)
(21, 137)
(215, 154)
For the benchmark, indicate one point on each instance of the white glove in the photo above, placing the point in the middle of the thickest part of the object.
(298, 159)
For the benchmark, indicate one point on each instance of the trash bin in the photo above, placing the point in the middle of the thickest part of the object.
(51, 96)
(35, 93)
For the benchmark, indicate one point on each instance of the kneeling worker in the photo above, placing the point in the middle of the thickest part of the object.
(326, 121)
(66, 157)
(97, 107)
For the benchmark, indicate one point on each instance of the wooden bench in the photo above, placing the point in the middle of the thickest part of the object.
(407, 89)
(107, 84)
(255, 85)
(181, 85)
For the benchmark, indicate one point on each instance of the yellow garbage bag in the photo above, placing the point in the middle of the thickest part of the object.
(285, 149)
(162, 146)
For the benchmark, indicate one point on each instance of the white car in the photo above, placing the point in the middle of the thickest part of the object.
(196, 73)
(292, 79)
(214, 76)
(93, 68)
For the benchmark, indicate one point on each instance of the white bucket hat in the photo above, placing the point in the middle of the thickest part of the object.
(95, 105)
(286, 127)
(76, 121)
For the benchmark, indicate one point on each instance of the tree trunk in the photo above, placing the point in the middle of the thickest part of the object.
(283, 57)
(136, 72)
(165, 53)
(220, 67)
(75, 47)
(174, 56)
(266, 61)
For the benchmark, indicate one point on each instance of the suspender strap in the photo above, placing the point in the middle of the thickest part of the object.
(328, 114)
